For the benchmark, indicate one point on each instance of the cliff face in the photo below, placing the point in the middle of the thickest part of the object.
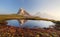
(11, 31)
(23, 12)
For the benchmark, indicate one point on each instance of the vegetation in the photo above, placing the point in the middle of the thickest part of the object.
(10, 31)
(57, 25)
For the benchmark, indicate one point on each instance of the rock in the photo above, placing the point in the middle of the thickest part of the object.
(3, 23)
(11, 31)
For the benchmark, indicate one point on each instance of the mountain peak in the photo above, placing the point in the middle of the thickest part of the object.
(21, 9)
(23, 12)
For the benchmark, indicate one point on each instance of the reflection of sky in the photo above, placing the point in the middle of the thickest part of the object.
(47, 8)
(30, 23)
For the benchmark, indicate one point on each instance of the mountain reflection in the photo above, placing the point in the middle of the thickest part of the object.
(30, 23)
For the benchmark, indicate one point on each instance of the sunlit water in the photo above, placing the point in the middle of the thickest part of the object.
(30, 23)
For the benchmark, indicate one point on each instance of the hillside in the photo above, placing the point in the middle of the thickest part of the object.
(11, 31)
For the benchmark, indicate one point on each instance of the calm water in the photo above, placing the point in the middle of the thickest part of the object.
(30, 23)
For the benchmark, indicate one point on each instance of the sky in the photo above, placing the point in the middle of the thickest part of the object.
(51, 8)
(42, 8)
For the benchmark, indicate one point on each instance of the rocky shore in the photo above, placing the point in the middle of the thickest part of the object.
(11, 31)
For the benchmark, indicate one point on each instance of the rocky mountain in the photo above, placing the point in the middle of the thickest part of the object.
(23, 12)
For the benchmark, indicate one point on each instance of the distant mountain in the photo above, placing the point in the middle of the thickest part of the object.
(23, 12)
(44, 15)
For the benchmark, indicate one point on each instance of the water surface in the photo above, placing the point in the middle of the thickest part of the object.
(30, 23)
